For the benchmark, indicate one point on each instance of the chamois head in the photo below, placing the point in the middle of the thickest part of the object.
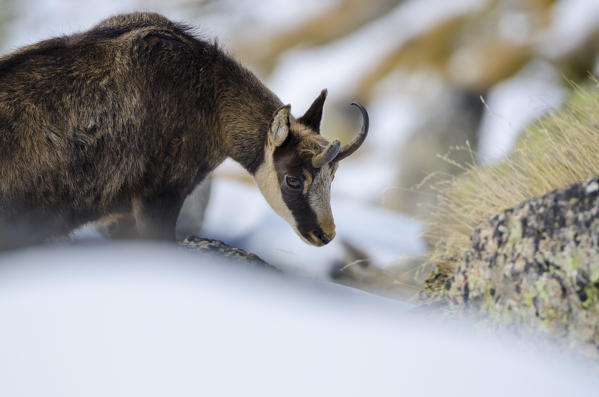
(298, 168)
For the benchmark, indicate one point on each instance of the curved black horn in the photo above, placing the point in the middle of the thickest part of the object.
(327, 155)
(350, 148)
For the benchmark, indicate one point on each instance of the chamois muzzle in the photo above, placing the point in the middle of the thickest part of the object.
(350, 148)
(319, 238)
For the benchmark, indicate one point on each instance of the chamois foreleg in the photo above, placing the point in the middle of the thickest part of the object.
(156, 217)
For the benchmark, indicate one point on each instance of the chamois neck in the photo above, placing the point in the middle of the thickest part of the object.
(246, 109)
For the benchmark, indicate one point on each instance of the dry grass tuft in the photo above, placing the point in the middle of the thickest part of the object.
(557, 150)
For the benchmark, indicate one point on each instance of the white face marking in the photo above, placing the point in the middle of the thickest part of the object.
(268, 183)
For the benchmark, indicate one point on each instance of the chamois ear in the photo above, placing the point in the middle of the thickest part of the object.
(313, 115)
(279, 127)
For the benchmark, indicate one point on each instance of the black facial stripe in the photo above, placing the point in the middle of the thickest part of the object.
(287, 161)
(304, 215)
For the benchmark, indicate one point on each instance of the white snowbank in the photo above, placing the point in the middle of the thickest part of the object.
(144, 320)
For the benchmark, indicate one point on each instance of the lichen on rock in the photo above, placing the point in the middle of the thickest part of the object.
(536, 266)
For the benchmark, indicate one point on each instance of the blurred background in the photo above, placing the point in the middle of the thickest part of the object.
(445, 83)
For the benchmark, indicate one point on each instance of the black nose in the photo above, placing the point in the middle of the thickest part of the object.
(320, 235)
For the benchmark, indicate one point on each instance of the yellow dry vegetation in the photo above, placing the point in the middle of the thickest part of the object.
(553, 152)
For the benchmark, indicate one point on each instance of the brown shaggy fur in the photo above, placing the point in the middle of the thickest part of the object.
(126, 117)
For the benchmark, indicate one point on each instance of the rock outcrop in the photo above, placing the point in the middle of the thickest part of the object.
(218, 249)
(536, 266)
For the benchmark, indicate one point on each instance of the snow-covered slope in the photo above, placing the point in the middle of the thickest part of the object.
(144, 320)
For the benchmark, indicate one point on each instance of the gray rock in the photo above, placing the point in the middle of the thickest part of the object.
(219, 249)
(536, 267)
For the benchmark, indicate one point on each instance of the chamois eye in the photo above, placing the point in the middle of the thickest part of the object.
(293, 182)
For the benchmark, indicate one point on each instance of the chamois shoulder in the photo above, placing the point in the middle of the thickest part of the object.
(134, 20)
(140, 25)
(43, 48)
(133, 26)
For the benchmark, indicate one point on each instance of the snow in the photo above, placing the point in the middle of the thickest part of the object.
(303, 72)
(146, 320)
(238, 214)
(571, 22)
(515, 103)
(39, 20)
(537, 88)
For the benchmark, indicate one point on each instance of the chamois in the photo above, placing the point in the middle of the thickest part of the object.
(129, 116)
